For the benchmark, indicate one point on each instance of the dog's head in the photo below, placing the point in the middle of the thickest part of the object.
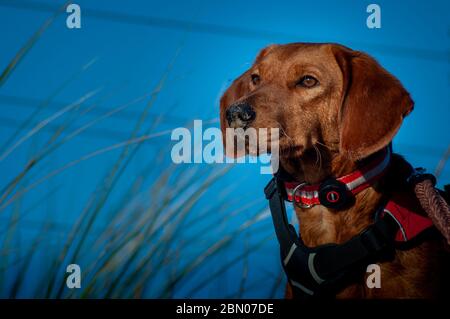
(318, 93)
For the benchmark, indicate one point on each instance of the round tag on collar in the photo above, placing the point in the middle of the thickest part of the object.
(333, 194)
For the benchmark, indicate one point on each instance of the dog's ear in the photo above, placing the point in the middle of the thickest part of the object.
(374, 104)
(264, 52)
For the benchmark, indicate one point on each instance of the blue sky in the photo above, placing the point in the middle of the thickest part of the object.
(129, 45)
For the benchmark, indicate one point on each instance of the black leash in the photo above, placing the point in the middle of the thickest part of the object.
(323, 270)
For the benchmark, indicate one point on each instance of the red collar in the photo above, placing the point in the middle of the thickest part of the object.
(305, 195)
(402, 207)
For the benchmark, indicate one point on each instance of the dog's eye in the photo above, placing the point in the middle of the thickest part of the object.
(307, 81)
(255, 79)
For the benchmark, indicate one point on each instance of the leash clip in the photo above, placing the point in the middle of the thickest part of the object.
(419, 175)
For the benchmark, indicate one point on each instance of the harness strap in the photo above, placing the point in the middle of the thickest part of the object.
(285, 232)
(319, 271)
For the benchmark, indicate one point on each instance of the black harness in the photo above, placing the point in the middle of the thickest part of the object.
(324, 270)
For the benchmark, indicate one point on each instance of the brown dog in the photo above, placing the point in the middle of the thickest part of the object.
(336, 107)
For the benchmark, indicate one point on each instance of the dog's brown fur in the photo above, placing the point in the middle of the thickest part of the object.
(328, 130)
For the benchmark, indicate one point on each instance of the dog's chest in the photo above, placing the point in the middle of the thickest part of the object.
(318, 225)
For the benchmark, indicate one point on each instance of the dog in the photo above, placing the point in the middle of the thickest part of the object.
(335, 108)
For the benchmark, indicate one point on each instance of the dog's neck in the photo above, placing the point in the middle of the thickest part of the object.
(317, 164)
(320, 225)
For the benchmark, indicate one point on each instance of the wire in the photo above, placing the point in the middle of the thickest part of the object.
(28, 102)
(215, 29)
(92, 132)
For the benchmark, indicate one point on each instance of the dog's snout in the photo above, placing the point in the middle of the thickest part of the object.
(240, 115)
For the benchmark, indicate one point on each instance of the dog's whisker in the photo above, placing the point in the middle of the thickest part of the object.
(319, 157)
(284, 132)
(320, 143)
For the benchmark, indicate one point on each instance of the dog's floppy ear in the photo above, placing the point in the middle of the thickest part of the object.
(264, 52)
(374, 104)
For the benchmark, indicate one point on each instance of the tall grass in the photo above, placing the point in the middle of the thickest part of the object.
(152, 240)
(143, 251)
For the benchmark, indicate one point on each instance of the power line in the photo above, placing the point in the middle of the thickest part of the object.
(132, 115)
(28, 102)
(114, 135)
(215, 29)
(92, 132)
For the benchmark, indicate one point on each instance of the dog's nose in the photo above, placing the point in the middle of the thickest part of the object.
(240, 115)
